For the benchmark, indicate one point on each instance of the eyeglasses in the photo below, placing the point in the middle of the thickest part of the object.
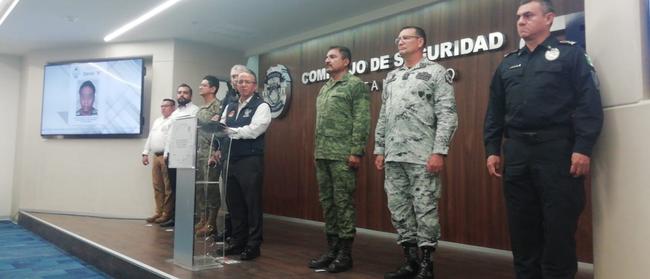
(405, 38)
(243, 81)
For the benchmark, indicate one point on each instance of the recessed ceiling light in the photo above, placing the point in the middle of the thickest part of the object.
(8, 10)
(146, 16)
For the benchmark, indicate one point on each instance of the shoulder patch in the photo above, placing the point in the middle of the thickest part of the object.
(510, 53)
(568, 42)
(591, 64)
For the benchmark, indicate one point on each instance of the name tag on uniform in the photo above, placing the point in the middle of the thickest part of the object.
(514, 67)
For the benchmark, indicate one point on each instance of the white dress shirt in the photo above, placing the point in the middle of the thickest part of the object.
(157, 135)
(187, 110)
(259, 123)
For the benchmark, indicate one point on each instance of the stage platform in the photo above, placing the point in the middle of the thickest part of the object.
(125, 248)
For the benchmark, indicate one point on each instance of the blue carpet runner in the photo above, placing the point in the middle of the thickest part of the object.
(24, 255)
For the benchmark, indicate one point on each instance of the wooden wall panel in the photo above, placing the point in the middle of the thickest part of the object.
(472, 210)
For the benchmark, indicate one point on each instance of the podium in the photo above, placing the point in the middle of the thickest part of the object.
(199, 153)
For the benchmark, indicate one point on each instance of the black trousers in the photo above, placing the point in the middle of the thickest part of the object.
(544, 203)
(244, 195)
(171, 172)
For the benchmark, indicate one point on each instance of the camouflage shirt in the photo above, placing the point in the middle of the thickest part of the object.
(418, 114)
(207, 117)
(342, 118)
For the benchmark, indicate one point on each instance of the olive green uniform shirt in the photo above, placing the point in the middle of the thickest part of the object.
(342, 118)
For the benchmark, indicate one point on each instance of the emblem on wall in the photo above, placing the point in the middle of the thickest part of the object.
(277, 90)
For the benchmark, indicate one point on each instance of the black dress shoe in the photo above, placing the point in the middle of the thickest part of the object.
(168, 224)
(233, 250)
(250, 253)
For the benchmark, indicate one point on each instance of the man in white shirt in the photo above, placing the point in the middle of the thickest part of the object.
(185, 108)
(185, 105)
(247, 120)
(155, 144)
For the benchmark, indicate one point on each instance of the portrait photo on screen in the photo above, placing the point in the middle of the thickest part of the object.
(93, 98)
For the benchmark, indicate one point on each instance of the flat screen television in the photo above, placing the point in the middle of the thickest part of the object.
(101, 98)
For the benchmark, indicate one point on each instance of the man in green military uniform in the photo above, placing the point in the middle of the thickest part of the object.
(207, 177)
(342, 126)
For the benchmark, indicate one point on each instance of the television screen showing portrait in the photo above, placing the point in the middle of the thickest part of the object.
(93, 98)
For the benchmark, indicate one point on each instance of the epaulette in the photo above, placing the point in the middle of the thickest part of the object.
(568, 42)
(510, 53)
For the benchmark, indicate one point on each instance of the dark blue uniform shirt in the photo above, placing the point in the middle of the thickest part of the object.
(552, 88)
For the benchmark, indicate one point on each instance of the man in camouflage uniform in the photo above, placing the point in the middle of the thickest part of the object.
(414, 129)
(207, 176)
(342, 127)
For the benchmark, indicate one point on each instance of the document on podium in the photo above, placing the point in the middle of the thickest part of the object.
(182, 145)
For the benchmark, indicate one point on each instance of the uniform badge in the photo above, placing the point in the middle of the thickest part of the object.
(423, 76)
(552, 54)
(247, 113)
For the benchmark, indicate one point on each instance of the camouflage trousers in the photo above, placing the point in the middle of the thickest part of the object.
(413, 195)
(337, 183)
(208, 195)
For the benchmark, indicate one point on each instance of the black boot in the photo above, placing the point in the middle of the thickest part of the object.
(426, 265)
(343, 260)
(410, 266)
(325, 259)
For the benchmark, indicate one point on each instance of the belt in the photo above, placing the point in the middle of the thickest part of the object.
(158, 153)
(539, 136)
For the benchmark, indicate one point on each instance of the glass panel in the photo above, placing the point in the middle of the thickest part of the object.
(212, 155)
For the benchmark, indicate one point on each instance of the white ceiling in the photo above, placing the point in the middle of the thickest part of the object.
(243, 25)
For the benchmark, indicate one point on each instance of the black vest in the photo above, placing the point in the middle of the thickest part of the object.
(245, 147)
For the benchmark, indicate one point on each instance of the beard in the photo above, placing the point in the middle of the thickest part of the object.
(183, 101)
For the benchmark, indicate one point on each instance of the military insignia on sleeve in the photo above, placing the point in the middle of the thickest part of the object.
(594, 77)
(450, 75)
(589, 60)
(423, 76)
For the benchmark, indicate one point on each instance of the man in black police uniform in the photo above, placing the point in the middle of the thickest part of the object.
(247, 120)
(544, 100)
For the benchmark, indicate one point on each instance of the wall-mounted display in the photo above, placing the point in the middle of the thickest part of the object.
(93, 98)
